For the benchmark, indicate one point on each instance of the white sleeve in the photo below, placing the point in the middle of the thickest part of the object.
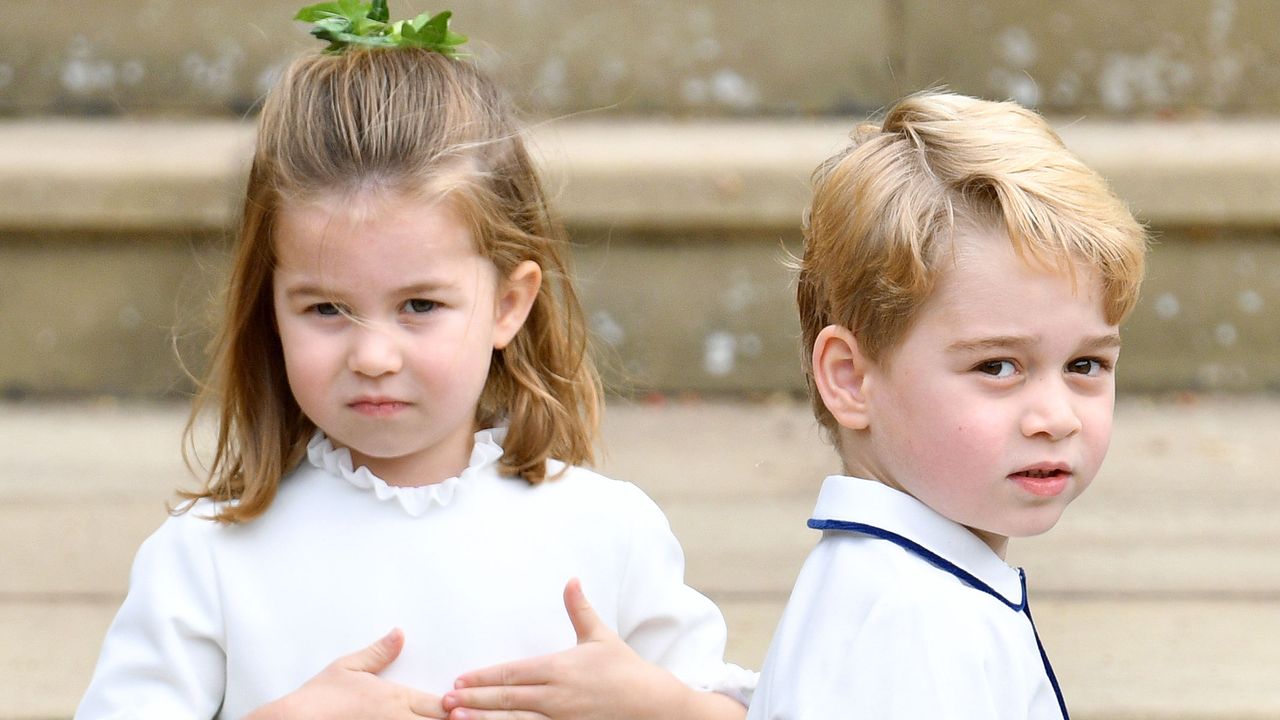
(667, 622)
(163, 656)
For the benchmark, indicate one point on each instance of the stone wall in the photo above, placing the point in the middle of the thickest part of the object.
(683, 136)
(680, 57)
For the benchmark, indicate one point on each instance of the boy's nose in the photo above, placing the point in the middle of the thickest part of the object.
(1052, 411)
(374, 351)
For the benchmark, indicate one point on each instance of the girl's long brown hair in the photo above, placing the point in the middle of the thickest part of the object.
(408, 121)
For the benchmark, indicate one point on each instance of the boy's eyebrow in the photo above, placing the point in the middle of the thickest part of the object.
(994, 342)
(1108, 341)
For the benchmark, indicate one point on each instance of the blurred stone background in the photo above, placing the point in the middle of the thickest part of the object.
(681, 59)
(679, 138)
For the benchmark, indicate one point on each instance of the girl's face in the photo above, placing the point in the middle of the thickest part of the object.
(389, 318)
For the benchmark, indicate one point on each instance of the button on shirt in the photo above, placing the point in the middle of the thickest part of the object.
(901, 613)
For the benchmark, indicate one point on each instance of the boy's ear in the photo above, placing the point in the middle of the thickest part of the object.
(515, 299)
(840, 374)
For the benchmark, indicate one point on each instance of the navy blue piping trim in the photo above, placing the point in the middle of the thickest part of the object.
(1044, 657)
(967, 577)
(963, 575)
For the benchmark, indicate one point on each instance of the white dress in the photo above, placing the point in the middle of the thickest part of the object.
(902, 614)
(220, 620)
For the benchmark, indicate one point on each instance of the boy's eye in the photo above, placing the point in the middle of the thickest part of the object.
(1087, 366)
(418, 305)
(997, 368)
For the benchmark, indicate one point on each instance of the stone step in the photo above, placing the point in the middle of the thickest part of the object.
(114, 232)
(1156, 595)
(635, 175)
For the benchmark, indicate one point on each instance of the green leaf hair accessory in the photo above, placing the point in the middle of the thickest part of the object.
(350, 22)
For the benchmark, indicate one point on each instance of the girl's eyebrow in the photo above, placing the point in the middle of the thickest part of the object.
(418, 288)
(306, 291)
(1109, 341)
(425, 288)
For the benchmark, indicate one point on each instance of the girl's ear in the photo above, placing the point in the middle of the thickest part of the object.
(515, 300)
(840, 374)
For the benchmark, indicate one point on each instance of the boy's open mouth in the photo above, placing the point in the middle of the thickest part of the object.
(1046, 481)
(1041, 473)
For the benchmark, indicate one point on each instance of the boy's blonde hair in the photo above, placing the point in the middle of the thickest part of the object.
(885, 207)
(405, 121)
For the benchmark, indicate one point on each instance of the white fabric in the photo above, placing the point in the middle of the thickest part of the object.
(875, 631)
(220, 620)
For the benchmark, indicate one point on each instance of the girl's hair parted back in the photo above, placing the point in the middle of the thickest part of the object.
(407, 121)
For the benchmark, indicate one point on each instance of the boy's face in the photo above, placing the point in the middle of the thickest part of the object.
(995, 409)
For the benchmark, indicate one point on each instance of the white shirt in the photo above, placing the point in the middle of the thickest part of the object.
(900, 613)
(220, 620)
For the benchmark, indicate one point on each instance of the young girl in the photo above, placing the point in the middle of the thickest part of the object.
(403, 399)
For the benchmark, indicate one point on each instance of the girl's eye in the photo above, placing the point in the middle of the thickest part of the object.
(418, 305)
(1088, 366)
(997, 368)
(326, 309)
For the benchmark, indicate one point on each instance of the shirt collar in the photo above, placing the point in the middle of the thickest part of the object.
(866, 506)
(417, 500)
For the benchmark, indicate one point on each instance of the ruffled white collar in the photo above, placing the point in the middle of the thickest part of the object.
(415, 500)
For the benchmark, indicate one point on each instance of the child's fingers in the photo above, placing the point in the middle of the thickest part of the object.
(586, 623)
(530, 699)
(376, 657)
(496, 715)
(529, 671)
(427, 705)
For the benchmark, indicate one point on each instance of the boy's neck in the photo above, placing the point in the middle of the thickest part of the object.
(853, 467)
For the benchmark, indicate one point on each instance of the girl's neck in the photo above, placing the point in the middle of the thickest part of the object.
(441, 462)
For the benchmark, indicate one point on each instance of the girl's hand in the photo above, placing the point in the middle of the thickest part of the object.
(350, 689)
(601, 678)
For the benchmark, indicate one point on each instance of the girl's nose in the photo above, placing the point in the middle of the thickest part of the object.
(1052, 411)
(374, 351)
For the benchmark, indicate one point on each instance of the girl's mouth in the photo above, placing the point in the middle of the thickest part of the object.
(378, 407)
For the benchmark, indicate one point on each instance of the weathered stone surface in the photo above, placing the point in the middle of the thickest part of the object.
(710, 57)
(1209, 316)
(123, 175)
(638, 175)
(90, 314)
(705, 57)
(111, 247)
(1187, 173)
(712, 310)
(1157, 595)
(1098, 57)
(708, 314)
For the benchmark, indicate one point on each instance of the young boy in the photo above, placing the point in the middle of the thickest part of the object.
(962, 282)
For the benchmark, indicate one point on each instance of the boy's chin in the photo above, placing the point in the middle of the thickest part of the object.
(1033, 526)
